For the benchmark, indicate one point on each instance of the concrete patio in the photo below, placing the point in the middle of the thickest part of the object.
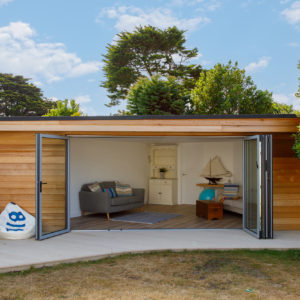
(75, 246)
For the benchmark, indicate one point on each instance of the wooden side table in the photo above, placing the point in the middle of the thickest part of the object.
(209, 209)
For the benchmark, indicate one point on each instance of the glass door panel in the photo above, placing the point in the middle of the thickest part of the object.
(258, 182)
(52, 186)
(252, 186)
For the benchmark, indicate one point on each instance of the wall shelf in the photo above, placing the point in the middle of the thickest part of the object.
(210, 185)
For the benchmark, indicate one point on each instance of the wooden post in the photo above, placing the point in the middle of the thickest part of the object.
(108, 217)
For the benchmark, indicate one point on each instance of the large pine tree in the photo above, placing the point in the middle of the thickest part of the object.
(18, 97)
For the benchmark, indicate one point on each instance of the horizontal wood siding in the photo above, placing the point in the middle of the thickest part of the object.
(286, 185)
(17, 170)
(54, 191)
(153, 127)
(17, 176)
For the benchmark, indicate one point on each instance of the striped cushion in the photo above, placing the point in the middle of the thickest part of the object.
(111, 192)
(231, 190)
(123, 190)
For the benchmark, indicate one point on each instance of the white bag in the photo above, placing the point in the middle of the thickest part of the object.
(16, 223)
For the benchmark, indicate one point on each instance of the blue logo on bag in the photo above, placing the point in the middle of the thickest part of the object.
(15, 217)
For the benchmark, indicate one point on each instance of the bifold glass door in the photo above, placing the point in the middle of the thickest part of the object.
(257, 216)
(52, 185)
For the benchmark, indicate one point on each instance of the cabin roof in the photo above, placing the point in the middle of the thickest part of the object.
(167, 125)
(150, 117)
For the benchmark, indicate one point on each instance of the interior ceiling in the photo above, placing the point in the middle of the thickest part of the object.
(164, 139)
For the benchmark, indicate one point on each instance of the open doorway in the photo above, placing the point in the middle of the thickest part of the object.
(132, 161)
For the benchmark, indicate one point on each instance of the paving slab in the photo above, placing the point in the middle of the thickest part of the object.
(16, 255)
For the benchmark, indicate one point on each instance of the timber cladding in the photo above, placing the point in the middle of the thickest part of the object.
(17, 170)
(154, 127)
(18, 176)
(286, 185)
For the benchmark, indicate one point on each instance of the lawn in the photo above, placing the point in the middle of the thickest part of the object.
(239, 274)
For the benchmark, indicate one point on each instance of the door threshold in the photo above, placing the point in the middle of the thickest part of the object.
(151, 229)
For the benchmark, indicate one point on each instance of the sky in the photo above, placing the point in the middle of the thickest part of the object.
(59, 44)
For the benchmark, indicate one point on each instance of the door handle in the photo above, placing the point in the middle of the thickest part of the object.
(41, 185)
(183, 174)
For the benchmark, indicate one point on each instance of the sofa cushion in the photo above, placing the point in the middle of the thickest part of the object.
(94, 187)
(123, 190)
(123, 200)
(85, 187)
(107, 184)
(111, 192)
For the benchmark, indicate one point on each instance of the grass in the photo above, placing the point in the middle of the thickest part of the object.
(238, 274)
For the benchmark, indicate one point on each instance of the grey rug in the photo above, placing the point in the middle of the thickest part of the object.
(145, 217)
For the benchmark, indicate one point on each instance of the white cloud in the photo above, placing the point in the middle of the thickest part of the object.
(292, 14)
(128, 17)
(290, 99)
(205, 62)
(88, 110)
(261, 64)
(285, 1)
(201, 5)
(54, 99)
(214, 6)
(294, 44)
(4, 2)
(83, 99)
(21, 54)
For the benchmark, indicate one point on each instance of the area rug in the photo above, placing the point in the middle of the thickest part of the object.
(145, 217)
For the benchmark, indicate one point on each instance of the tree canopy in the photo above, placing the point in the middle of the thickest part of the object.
(63, 108)
(298, 92)
(225, 89)
(146, 52)
(281, 108)
(296, 146)
(157, 96)
(18, 97)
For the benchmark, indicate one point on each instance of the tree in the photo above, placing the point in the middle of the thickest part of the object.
(296, 146)
(298, 93)
(145, 52)
(281, 108)
(156, 96)
(18, 97)
(225, 89)
(63, 108)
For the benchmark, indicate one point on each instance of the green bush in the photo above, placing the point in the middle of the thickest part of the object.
(296, 146)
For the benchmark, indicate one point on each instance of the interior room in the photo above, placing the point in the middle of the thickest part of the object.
(167, 176)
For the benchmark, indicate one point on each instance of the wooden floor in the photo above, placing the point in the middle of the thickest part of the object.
(187, 219)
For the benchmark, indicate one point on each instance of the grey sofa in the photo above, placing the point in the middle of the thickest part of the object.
(100, 202)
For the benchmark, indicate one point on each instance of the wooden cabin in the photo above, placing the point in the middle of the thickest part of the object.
(31, 154)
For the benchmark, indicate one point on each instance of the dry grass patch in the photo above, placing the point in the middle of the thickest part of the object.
(164, 275)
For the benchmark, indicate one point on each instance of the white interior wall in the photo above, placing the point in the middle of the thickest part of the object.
(96, 159)
(194, 156)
